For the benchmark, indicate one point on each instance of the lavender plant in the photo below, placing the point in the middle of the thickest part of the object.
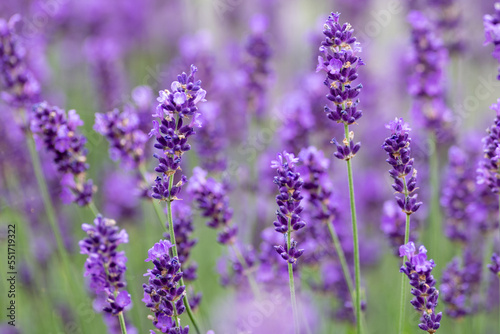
(492, 32)
(288, 220)
(339, 59)
(105, 266)
(419, 272)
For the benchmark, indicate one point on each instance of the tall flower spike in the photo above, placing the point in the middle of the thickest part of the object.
(21, 89)
(162, 294)
(58, 132)
(289, 184)
(104, 264)
(492, 32)
(427, 84)
(488, 171)
(398, 148)
(419, 272)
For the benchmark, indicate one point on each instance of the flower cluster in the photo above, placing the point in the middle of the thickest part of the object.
(104, 264)
(211, 199)
(163, 295)
(398, 148)
(57, 131)
(494, 267)
(183, 228)
(489, 168)
(492, 32)
(340, 61)
(210, 143)
(21, 89)
(257, 69)
(127, 141)
(419, 272)
(458, 193)
(427, 84)
(178, 114)
(393, 225)
(289, 184)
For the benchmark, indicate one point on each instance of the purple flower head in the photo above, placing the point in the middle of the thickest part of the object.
(427, 84)
(494, 267)
(58, 133)
(162, 294)
(492, 32)
(127, 140)
(419, 272)
(456, 289)
(488, 170)
(105, 266)
(398, 148)
(177, 113)
(289, 184)
(339, 59)
(20, 88)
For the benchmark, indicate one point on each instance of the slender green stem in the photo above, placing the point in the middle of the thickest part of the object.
(161, 217)
(291, 282)
(343, 262)
(251, 280)
(402, 305)
(357, 269)
(93, 208)
(121, 318)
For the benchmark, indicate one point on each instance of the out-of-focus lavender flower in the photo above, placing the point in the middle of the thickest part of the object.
(127, 141)
(419, 272)
(494, 267)
(56, 130)
(104, 55)
(20, 88)
(448, 18)
(298, 123)
(458, 194)
(289, 185)
(105, 266)
(183, 228)
(162, 294)
(426, 85)
(393, 225)
(398, 148)
(488, 171)
(177, 113)
(211, 199)
(456, 288)
(257, 70)
(492, 32)
(121, 195)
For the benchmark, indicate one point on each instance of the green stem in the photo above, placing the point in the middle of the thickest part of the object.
(93, 208)
(122, 323)
(343, 262)
(402, 304)
(161, 217)
(251, 281)
(357, 269)
(291, 282)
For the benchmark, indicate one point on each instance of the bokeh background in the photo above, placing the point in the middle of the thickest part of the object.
(92, 55)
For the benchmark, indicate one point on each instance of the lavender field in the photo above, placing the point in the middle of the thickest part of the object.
(239, 167)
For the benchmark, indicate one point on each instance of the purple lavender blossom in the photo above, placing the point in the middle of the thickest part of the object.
(105, 266)
(492, 32)
(257, 68)
(458, 194)
(162, 294)
(448, 18)
(289, 185)
(427, 84)
(127, 141)
(419, 269)
(398, 148)
(56, 130)
(20, 88)
(488, 170)
(494, 267)
(178, 115)
(339, 59)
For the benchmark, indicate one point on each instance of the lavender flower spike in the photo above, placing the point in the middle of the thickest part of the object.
(419, 269)
(489, 167)
(104, 264)
(58, 132)
(21, 89)
(398, 148)
(162, 294)
(492, 32)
